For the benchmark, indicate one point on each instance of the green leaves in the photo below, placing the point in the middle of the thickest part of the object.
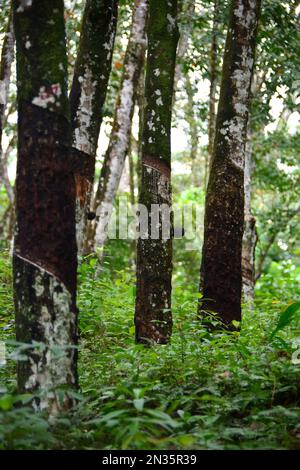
(286, 317)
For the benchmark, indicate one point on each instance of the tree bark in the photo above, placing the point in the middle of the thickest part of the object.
(114, 159)
(45, 255)
(193, 125)
(221, 271)
(153, 319)
(213, 90)
(250, 235)
(7, 57)
(87, 97)
(183, 41)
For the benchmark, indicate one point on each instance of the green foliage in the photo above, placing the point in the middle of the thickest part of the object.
(286, 317)
(203, 391)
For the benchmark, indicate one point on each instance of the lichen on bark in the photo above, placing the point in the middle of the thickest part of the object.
(45, 255)
(87, 97)
(119, 142)
(221, 271)
(153, 318)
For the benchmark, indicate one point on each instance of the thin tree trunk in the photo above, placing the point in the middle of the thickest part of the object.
(131, 176)
(4, 176)
(213, 90)
(192, 122)
(114, 159)
(7, 57)
(140, 103)
(221, 270)
(88, 92)
(183, 42)
(153, 318)
(250, 235)
(45, 255)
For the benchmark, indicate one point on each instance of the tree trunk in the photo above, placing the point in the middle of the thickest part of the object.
(153, 317)
(88, 92)
(213, 90)
(7, 57)
(45, 255)
(185, 34)
(193, 125)
(113, 164)
(221, 271)
(250, 235)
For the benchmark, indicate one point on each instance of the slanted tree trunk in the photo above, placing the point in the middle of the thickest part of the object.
(250, 235)
(221, 271)
(88, 92)
(114, 159)
(7, 57)
(213, 89)
(153, 317)
(45, 255)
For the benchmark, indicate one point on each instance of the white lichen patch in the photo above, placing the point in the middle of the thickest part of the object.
(171, 23)
(3, 92)
(48, 96)
(24, 4)
(51, 364)
(82, 138)
(234, 133)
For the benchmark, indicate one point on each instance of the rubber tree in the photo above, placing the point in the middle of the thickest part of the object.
(213, 87)
(221, 271)
(250, 234)
(119, 142)
(191, 119)
(87, 97)
(45, 255)
(153, 319)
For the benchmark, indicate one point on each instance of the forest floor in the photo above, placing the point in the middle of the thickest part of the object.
(203, 391)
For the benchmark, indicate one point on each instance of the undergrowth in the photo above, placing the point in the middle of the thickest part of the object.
(203, 391)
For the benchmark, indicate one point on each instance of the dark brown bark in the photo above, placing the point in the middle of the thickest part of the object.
(45, 255)
(153, 318)
(87, 97)
(221, 270)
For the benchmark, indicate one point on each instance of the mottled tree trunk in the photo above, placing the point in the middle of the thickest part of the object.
(7, 57)
(153, 317)
(114, 159)
(221, 270)
(187, 13)
(44, 258)
(250, 235)
(91, 75)
(193, 127)
(213, 90)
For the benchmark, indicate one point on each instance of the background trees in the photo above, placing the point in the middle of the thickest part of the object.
(87, 96)
(194, 391)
